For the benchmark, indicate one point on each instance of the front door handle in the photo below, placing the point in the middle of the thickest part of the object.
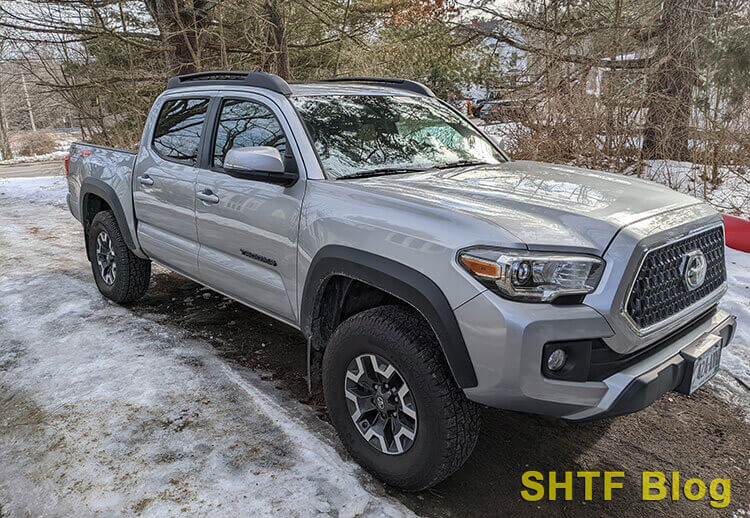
(207, 196)
(145, 180)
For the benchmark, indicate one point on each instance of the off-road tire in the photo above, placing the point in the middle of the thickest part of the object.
(448, 423)
(132, 274)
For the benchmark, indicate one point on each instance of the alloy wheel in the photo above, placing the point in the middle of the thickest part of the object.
(381, 404)
(105, 258)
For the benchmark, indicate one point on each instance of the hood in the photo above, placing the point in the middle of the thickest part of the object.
(543, 205)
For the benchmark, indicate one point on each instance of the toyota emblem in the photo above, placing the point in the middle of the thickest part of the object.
(694, 267)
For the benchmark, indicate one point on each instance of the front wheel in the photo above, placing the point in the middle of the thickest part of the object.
(119, 274)
(393, 400)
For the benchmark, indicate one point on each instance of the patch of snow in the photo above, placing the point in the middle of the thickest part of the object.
(502, 128)
(104, 412)
(732, 196)
(47, 157)
(505, 132)
(735, 358)
(44, 189)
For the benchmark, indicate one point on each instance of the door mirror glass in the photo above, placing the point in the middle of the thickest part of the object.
(261, 159)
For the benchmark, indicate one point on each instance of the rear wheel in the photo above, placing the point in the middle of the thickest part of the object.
(393, 400)
(119, 274)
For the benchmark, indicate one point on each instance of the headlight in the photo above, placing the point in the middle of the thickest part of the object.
(532, 276)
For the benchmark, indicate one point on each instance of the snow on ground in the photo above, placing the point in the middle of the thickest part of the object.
(105, 412)
(736, 358)
(47, 157)
(504, 132)
(102, 411)
(46, 190)
(732, 196)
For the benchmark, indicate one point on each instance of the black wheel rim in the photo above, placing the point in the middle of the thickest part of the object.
(381, 404)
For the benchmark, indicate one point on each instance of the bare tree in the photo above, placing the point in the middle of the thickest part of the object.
(672, 79)
(652, 48)
(277, 53)
(4, 141)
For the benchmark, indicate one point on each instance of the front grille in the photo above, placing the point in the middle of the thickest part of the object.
(659, 290)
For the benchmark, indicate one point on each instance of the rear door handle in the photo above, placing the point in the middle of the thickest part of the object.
(207, 196)
(145, 180)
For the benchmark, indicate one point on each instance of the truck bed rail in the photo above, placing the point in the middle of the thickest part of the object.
(106, 148)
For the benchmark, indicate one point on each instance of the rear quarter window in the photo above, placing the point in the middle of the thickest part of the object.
(178, 129)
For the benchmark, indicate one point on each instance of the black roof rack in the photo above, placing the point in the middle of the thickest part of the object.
(229, 78)
(393, 82)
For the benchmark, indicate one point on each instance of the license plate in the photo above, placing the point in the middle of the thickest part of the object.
(705, 366)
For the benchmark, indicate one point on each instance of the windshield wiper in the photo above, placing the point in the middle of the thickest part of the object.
(380, 172)
(401, 170)
(460, 163)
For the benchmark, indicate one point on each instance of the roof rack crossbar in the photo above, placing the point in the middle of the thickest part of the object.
(393, 82)
(231, 78)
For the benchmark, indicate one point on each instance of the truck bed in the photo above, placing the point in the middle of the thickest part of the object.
(104, 172)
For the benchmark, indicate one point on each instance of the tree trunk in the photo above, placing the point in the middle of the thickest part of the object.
(277, 52)
(28, 102)
(4, 142)
(670, 91)
(180, 24)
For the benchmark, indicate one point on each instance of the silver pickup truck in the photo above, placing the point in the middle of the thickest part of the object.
(428, 271)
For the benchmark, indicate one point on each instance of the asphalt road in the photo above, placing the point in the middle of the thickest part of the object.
(32, 169)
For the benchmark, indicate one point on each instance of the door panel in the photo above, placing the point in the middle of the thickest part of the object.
(166, 215)
(164, 186)
(247, 229)
(249, 240)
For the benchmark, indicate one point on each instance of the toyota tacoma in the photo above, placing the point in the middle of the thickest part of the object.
(429, 273)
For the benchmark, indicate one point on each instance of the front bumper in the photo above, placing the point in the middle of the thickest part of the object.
(506, 339)
(638, 386)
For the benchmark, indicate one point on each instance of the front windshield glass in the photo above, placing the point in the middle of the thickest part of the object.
(363, 135)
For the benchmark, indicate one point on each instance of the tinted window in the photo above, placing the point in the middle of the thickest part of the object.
(178, 129)
(246, 124)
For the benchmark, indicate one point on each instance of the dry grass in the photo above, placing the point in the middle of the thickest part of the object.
(30, 143)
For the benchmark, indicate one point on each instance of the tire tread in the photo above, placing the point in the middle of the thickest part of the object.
(137, 272)
(418, 343)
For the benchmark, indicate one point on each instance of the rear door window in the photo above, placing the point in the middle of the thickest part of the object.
(178, 130)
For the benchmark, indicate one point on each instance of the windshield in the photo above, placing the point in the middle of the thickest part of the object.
(364, 135)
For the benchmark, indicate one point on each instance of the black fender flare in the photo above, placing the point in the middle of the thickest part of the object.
(108, 194)
(402, 282)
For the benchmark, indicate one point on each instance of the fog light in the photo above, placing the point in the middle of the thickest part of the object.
(556, 360)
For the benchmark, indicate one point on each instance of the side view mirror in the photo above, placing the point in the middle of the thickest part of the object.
(499, 143)
(495, 140)
(260, 163)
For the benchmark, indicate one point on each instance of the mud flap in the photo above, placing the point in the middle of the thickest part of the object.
(314, 364)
